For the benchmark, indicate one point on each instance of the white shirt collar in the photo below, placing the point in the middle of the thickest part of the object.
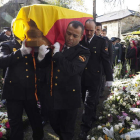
(89, 39)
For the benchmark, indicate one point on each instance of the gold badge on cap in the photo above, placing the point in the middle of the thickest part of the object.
(14, 49)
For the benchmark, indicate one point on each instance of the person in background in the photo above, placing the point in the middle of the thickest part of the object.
(6, 34)
(117, 51)
(63, 80)
(132, 53)
(91, 78)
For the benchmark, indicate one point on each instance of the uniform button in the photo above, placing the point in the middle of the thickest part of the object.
(58, 70)
(97, 71)
(26, 63)
(95, 52)
(55, 84)
(17, 57)
(56, 77)
(26, 69)
(86, 68)
(73, 90)
(10, 81)
(38, 79)
(26, 57)
(54, 61)
(27, 76)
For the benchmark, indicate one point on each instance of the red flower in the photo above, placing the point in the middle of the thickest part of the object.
(126, 71)
(133, 106)
(7, 125)
(124, 88)
(139, 94)
(1, 134)
(138, 102)
(0, 126)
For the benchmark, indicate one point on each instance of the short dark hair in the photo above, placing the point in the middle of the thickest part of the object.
(77, 24)
(104, 30)
(98, 24)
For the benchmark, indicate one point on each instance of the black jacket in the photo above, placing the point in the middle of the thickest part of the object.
(19, 82)
(3, 37)
(99, 56)
(132, 56)
(67, 71)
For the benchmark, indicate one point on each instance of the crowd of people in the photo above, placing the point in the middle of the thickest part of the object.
(79, 72)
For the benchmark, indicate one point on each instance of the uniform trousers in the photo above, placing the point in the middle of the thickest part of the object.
(63, 122)
(15, 111)
(90, 104)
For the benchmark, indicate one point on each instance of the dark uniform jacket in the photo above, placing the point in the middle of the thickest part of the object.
(131, 55)
(3, 37)
(109, 46)
(67, 71)
(19, 82)
(117, 52)
(99, 56)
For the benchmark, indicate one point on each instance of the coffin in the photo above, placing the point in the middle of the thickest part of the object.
(45, 24)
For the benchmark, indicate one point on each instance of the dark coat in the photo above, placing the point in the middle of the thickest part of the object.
(109, 46)
(67, 71)
(117, 52)
(99, 56)
(131, 55)
(19, 82)
(3, 37)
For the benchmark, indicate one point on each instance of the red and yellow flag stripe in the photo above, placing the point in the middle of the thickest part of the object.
(51, 20)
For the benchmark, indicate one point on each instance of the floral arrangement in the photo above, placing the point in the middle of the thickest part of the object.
(119, 72)
(118, 120)
(4, 125)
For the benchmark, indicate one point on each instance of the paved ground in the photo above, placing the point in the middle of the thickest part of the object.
(49, 133)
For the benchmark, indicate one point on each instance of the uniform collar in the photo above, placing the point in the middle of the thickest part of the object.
(89, 39)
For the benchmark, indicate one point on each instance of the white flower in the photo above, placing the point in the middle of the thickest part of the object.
(118, 97)
(116, 127)
(113, 106)
(108, 115)
(120, 124)
(3, 131)
(92, 138)
(99, 127)
(124, 104)
(100, 117)
(127, 118)
(127, 137)
(133, 126)
(88, 137)
(100, 138)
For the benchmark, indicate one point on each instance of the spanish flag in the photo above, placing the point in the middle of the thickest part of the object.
(51, 20)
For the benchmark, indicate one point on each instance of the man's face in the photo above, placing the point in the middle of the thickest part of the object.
(89, 29)
(98, 30)
(114, 42)
(73, 36)
(104, 34)
(8, 33)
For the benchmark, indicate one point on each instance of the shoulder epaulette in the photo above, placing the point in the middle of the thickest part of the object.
(101, 37)
(83, 47)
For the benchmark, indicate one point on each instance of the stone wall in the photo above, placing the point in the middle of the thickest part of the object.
(112, 28)
(117, 27)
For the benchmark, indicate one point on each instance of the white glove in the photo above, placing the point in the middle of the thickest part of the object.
(25, 50)
(108, 83)
(56, 47)
(43, 50)
(119, 61)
